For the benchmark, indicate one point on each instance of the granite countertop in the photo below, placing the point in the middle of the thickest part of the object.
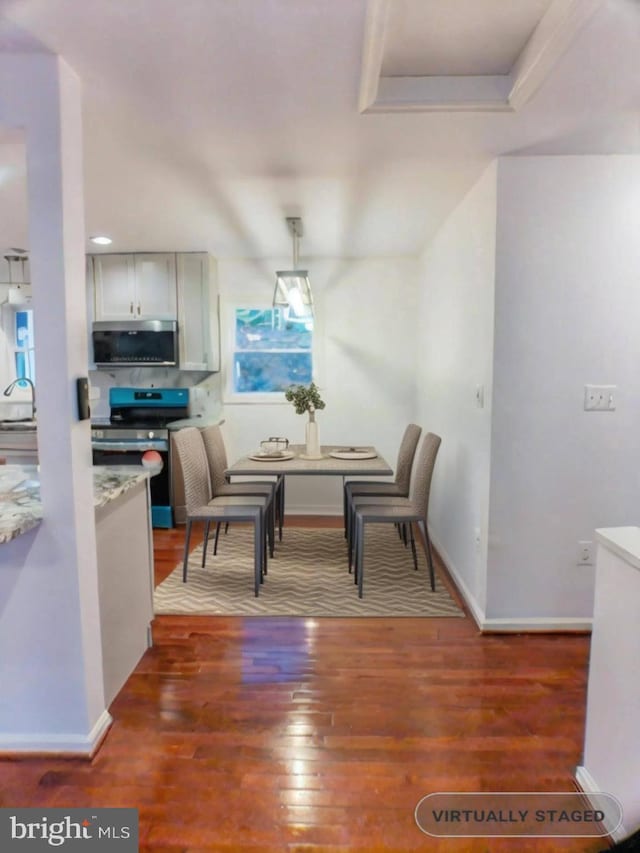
(20, 507)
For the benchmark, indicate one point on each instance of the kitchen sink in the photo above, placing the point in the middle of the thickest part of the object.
(26, 424)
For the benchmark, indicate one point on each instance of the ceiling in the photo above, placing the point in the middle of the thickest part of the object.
(207, 122)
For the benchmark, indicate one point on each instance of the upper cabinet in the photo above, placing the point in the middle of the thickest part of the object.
(135, 286)
(162, 286)
(198, 327)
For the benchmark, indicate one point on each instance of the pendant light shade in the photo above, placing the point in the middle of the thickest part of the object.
(293, 289)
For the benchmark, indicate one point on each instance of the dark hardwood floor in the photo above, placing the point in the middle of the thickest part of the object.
(285, 734)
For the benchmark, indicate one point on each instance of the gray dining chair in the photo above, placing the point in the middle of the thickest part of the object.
(221, 487)
(398, 487)
(396, 510)
(201, 506)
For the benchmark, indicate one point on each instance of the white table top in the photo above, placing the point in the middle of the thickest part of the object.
(376, 467)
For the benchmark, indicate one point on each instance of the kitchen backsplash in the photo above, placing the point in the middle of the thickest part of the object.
(205, 395)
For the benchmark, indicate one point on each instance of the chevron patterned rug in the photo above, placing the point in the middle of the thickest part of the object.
(307, 577)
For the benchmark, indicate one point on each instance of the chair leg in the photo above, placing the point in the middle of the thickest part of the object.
(215, 541)
(353, 556)
(354, 546)
(422, 526)
(280, 490)
(350, 533)
(360, 548)
(271, 521)
(205, 543)
(267, 544)
(187, 539)
(344, 508)
(413, 547)
(258, 554)
(352, 540)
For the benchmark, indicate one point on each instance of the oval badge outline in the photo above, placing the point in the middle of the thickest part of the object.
(587, 796)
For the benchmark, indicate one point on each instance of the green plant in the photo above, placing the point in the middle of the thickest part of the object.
(305, 398)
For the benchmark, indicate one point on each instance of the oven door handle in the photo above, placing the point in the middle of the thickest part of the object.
(131, 446)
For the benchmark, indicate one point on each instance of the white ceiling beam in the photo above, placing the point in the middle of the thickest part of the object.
(552, 37)
(556, 30)
(421, 94)
(373, 51)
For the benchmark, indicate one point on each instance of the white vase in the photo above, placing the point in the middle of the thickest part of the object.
(311, 436)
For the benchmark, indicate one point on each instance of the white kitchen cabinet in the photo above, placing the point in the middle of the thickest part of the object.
(139, 286)
(198, 326)
(125, 584)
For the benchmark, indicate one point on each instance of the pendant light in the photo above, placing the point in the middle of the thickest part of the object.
(293, 290)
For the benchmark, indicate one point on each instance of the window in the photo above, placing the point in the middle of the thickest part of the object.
(24, 346)
(272, 350)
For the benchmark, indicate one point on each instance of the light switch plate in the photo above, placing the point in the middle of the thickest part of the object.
(82, 393)
(600, 398)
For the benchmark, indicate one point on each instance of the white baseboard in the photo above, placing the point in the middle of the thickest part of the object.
(537, 623)
(588, 785)
(315, 509)
(58, 744)
(511, 624)
(476, 611)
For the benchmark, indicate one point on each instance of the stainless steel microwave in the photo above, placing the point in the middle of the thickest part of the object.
(135, 343)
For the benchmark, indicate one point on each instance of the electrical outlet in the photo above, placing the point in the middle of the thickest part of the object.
(585, 553)
(599, 398)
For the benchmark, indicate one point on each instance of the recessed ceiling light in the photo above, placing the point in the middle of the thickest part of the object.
(101, 240)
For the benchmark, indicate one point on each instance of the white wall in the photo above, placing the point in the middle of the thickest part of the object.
(567, 309)
(364, 361)
(455, 347)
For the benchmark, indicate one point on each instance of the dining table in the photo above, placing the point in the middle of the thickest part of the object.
(334, 460)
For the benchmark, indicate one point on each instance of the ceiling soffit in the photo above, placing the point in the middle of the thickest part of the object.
(555, 26)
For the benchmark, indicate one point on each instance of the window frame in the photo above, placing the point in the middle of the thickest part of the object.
(27, 352)
(228, 340)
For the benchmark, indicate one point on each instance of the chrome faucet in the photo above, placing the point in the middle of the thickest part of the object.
(10, 387)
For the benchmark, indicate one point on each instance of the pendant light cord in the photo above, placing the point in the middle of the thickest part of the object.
(295, 246)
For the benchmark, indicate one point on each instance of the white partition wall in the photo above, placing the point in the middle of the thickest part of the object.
(454, 381)
(566, 311)
(611, 745)
(529, 292)
(51, 658)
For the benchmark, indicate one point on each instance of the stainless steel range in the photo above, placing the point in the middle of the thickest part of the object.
(138, 423)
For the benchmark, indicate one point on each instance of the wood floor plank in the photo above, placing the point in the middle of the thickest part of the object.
(319, 735)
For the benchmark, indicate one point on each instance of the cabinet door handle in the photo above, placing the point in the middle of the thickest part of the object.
(131, 308)
(138, 309)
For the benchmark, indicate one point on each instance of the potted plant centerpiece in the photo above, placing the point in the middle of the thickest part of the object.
(306, 398)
